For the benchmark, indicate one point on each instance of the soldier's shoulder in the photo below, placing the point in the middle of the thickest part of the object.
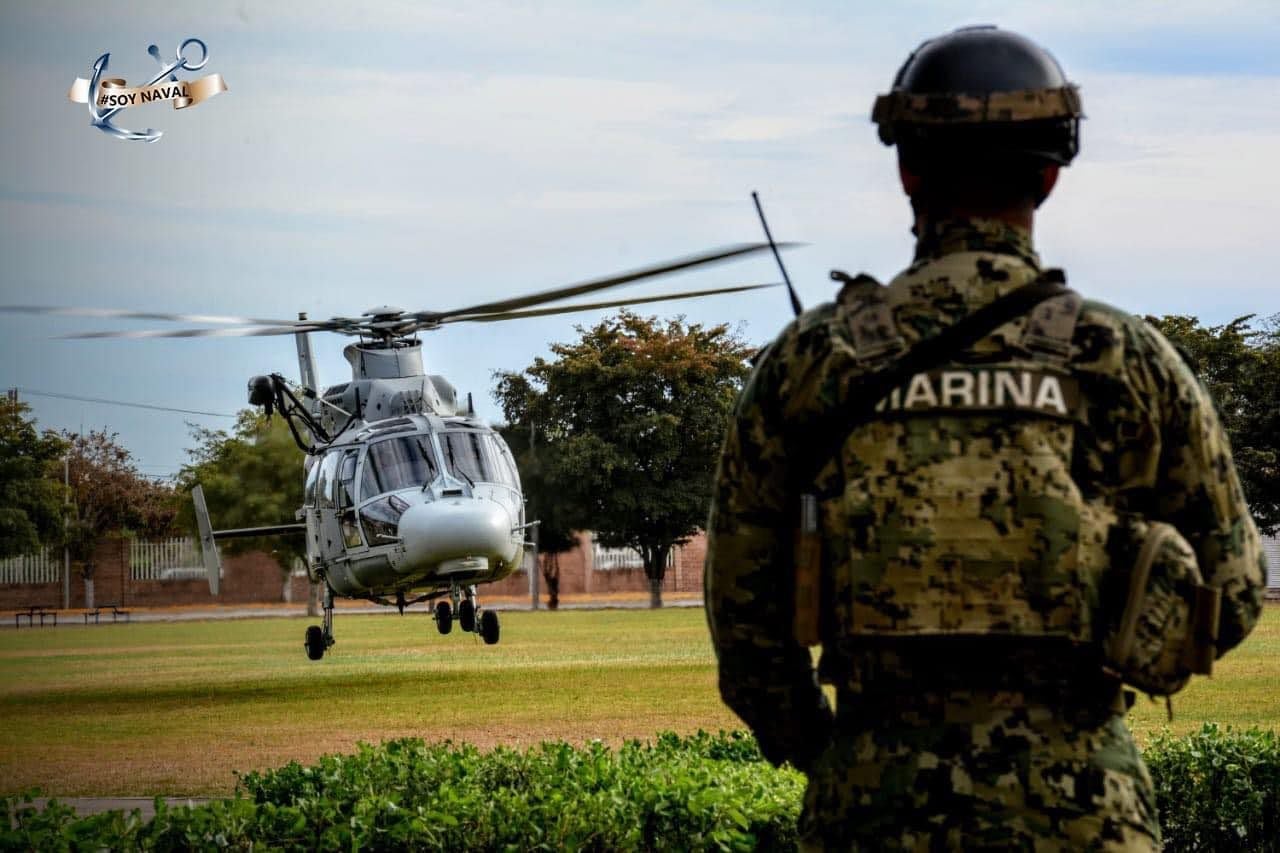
(805, 340)
(1110, 334)
(803, 336)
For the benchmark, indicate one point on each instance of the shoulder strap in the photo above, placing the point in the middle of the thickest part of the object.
(862, 395)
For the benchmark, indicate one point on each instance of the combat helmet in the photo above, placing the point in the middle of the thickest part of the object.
(980, 94)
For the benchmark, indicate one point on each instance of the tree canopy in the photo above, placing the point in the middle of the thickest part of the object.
(1240, 366)
(633, 415)
(252, 476)
(108, 494)
(555, 533)
(31, 492)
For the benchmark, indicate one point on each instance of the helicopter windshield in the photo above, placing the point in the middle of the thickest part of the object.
(398, 463)
(476, 458)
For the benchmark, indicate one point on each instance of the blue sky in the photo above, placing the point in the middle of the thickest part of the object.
(430, 155)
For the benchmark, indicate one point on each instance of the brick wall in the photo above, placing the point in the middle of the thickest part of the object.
(15, 596)
(255, 578)
(578, 574)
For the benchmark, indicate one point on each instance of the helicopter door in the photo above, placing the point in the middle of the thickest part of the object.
(330, 538)
(346, 504)
(312, 516)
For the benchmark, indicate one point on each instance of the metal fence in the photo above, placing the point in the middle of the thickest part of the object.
(1271, 548)
(611, 559)
(41, 567)
(166, 559)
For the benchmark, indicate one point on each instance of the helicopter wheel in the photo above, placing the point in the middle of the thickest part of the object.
(467, 615)
(444, 617)
(315, 643)
(489, 627)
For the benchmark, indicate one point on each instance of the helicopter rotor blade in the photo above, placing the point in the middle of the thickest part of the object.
(616, 303)
(226, 332)
(119, 313)
(392, 323)
(713, 256)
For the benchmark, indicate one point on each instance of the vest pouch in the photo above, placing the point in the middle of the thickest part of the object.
(1166, 626)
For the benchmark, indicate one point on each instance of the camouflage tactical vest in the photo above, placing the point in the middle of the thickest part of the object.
(959, 512)
(959, 515)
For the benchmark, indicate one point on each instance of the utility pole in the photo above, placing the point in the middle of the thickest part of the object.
(533, 571)
(66, 546)
(535, 568)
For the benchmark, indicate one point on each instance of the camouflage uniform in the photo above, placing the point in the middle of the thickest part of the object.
(958, 742)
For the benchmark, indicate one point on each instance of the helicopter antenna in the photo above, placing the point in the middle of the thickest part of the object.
(471, 406)
(791, 291)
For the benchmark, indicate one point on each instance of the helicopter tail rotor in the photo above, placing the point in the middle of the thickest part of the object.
(208, 546)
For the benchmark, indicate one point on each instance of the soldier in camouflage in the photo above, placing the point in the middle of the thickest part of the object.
(971, 545)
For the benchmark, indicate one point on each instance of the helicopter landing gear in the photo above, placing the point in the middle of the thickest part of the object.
(444, 617)
(320, 639)
(463, 606)
(314, 643)
(489, 627)
(467, 611)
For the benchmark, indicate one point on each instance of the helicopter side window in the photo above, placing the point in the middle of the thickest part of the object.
(347, 480)
(398, 463)
(465, 458)
(346, 499)
(324, 484)
(312, 476)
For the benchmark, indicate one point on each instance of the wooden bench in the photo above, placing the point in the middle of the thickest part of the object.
(116, 613)
(41, 610)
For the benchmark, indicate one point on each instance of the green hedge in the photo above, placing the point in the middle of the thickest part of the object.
(1218, 790)
(696, 793)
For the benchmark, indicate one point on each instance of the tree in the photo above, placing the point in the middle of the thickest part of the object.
(252, 477)
(635, 412)
(554, 533)
(109, 495)
(1240, 366)
(31, 493)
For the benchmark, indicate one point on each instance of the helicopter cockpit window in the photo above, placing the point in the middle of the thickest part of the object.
(465, 457)
(504, 467)
(397, 463)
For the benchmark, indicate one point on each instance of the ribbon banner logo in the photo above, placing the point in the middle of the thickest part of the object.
(107, 96)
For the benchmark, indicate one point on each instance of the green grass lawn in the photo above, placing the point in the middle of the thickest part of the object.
(175, 708)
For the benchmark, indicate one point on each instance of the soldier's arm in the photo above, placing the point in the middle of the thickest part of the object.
(765, 676)
(1199, 492)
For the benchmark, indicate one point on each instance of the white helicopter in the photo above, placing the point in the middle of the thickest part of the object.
(409, 497)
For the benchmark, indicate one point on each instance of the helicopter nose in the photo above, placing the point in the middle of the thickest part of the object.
(454, 528)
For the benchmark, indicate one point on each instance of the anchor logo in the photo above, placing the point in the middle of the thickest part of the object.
(107, 97)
